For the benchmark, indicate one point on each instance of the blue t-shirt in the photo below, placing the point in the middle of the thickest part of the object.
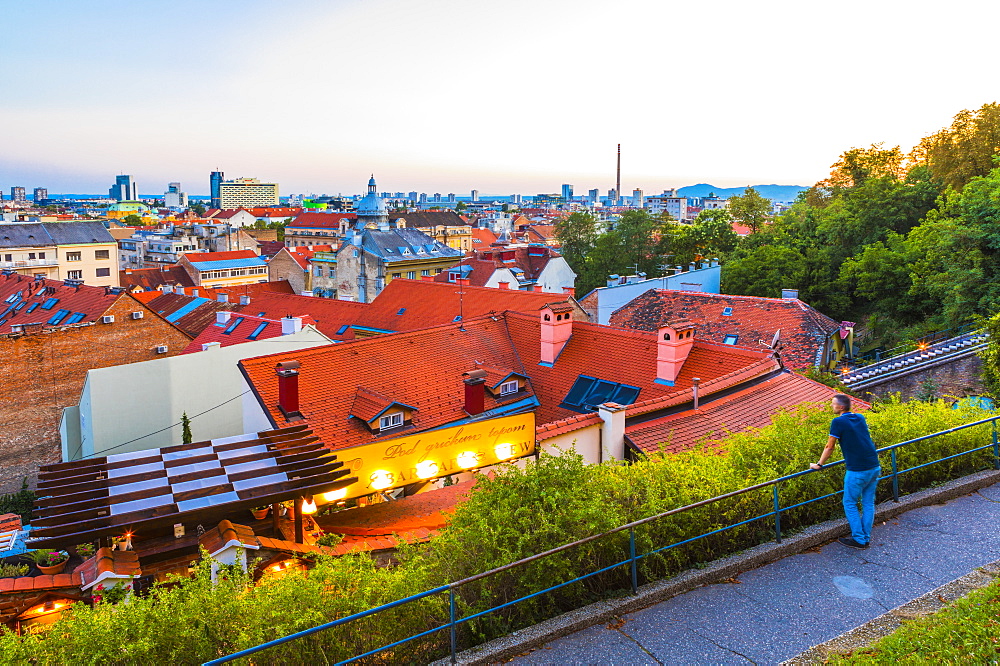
(855, 442)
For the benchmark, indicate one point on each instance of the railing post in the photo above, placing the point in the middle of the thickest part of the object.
(996, 447)
(451, 615)
(631, 553)
(777, 513)
(895, 476)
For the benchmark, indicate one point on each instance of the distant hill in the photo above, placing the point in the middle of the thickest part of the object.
(772, 192)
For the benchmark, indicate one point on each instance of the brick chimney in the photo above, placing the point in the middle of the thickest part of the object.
(288, 388)
(556, 328)
(673, 344)
(569, 291)
(503, 285)
(475, 391)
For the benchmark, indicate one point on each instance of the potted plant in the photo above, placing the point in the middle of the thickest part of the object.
(260, 512)
(86, 550)
(49, 562)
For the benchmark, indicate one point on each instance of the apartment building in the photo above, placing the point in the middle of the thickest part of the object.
(247, 193)
(60, 251)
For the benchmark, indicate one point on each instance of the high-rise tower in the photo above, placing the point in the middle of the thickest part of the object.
(215, 182)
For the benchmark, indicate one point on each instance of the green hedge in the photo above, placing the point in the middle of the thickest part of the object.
(514, 514)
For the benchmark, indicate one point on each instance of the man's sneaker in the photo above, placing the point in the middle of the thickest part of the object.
(851, 543)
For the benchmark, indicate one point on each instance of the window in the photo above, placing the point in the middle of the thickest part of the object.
(257, 331)
(342, 329)
(8, 257)
(58, 317)
(390, 421)
(318, 271)
(509, 387)
(396, 275)
(31, 255)
(411, 275)
(73, 256)
(232, 326)
(730, 339)
(31, 308)
(74, 275)
(102, 254)
(332, 272)
(75, 317)
(103, 272)
(453, 276)
(401, 311)
(425, 272)
(727, 312)
(41, 255)
(588, 392)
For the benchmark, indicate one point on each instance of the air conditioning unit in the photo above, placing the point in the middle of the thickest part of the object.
(161, 349)
(108, 319)
(137, 315)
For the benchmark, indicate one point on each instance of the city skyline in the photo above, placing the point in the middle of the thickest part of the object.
(323, 94)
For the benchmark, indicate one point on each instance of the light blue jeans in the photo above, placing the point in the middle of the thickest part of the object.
(860, 487)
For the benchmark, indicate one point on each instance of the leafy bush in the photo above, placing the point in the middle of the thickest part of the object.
(511, 515)
(13, 570)
(21, 502)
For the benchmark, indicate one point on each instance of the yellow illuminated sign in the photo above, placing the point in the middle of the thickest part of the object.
(429, 455)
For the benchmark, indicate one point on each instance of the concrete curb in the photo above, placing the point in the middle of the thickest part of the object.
(524, 640)
(880, 627)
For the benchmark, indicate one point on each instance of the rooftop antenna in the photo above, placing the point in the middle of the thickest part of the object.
(461, 307)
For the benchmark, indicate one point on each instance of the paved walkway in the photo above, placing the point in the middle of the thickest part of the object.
(779, 610)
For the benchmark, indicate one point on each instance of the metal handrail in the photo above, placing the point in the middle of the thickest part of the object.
(634, 557)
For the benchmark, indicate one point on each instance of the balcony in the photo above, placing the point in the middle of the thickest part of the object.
(28, 263)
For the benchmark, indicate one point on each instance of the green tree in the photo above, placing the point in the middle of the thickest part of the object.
(577, 233)
(197, 208)
(132, 221)
(185, 429)
(965, 150)
(711, 235)
(750, 209)
(765, 271)
(460, 206)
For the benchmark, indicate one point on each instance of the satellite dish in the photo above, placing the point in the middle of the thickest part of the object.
(776, 339)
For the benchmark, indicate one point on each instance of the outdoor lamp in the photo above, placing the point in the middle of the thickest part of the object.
(504, 451)
(308, 506)
(380, 479)
(335, 495)
(426, 469)
(467, 459)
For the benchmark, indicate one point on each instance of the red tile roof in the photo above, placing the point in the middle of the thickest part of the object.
(200, 257)
(430, 379)
(329, 315)
(269, 248)
(483, 237)
(303, 253)
(320, 220)
(240, 326)
(108, 561)
(219, 214)
(275, 212)
(430, 303)
(29, 308)
(427, 510)
(748, 408)
(755, 320)
(149, 279)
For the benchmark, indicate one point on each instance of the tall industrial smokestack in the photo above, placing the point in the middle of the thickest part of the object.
(618, 179)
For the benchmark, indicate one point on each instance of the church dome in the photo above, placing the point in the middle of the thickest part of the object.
(372, 203)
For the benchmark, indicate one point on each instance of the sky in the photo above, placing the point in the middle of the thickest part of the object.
(454, 95)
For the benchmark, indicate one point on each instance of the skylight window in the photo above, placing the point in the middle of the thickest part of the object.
(730, 339)
(401, 311)
(76, 317)
(727, 312)
(588, 392)
(58, 317)
(49, 303)
(343, 329)
(232, 325)
(257, 331)
(32, 307)
(457, 318)
(13, 298)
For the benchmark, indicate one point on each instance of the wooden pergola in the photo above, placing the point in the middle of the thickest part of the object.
(163, 495)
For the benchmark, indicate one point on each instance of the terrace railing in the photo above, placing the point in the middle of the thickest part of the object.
(635, 556)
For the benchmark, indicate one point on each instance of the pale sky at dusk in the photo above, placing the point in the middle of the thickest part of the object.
(450, 95)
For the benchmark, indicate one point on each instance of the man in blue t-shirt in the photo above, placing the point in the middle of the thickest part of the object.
(861, 460)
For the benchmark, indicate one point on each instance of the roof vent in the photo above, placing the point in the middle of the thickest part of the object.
(244, 300)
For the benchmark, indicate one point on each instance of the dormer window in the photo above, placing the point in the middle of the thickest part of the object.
(510, 387)
(390, 421)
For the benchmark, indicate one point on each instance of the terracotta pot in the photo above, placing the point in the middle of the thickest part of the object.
(260, 514)
(54, 569)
